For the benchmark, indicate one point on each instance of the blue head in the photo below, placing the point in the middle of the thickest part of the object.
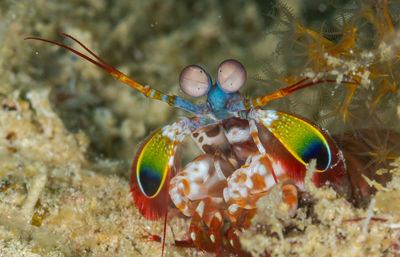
(223, 97)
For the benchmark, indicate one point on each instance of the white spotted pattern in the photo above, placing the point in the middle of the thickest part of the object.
(200, 209)
(177, 131)
(233, 208)
(266, 117)
(238, 135)
(226, 195)
(218, 216)
(212, 237)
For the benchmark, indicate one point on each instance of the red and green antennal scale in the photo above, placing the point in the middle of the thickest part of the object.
(300, 138)
(151, 166)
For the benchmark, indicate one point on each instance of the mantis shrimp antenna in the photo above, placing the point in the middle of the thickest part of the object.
(172, 100)
(303, 83)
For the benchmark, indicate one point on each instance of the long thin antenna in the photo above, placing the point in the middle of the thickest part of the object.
(172, 100)
(303, 83)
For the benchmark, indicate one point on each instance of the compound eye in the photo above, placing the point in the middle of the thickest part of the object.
(231, 76)
(194, 81)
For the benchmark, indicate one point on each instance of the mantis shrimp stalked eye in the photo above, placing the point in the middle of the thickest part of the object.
(194, 81)
(231, 76)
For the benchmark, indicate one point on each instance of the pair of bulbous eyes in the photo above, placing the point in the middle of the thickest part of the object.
(196, 82)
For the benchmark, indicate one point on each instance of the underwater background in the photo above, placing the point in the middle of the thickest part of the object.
(69, 131)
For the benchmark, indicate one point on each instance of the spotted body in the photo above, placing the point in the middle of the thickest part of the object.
(238, 167)
(246, 152)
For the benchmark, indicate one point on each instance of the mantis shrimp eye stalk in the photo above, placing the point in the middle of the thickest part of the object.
(194, 81)
(231, 76)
